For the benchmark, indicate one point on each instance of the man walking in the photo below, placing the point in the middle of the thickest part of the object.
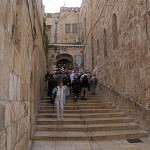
(84, 83)
(76, 88)
(93, 84)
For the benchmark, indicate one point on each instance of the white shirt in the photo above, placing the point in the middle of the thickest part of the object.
(59, 93)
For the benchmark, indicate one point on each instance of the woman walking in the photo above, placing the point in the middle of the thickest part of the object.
(59, 93)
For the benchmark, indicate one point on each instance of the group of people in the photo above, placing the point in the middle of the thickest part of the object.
(59, 88)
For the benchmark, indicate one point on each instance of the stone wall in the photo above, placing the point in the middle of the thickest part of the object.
(53, 52)
(116, 35)
(22, 69)
(67, 15)
(71, 44)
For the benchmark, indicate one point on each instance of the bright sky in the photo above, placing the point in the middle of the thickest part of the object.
(53, 6)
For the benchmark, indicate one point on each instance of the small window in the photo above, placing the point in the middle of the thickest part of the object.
(92, 47)
(105, 43)
(74, 28)
(115, 31)
(97, 46)
(67, 29)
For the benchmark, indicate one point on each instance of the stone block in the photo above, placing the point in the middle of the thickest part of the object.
(7, 114)
(2, 140)
(9, 138)
(2, 116)
(4, 82)
(14, 92)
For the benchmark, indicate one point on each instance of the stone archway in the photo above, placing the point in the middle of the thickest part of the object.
(64, 60)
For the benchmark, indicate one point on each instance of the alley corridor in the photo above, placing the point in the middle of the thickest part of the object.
(95, 54)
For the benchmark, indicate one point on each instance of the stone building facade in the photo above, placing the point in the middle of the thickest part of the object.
(116, 36)
(22, 70)
(64, 36)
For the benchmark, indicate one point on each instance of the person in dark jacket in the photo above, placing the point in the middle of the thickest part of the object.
(84, 83)
(47, 78)
(93, 84)
(66, 84)
(76, 86)
(52, 83)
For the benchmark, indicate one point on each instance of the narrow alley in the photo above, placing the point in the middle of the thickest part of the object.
(74, 74)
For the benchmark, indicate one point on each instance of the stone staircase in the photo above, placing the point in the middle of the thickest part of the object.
(91, 119)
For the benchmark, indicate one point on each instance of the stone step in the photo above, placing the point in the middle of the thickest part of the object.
(79, 104)
(91, 119)
(94, 135)
(53, 121)
(92, 115)
(87, 95)
(73, 105)
(87, 128)
(79, 100)
(78, 107)
(81, 111)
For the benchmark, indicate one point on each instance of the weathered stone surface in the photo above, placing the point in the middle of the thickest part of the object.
(18, 58)
(56, 24)
(125, 68)
(3, 140)
(2, 116)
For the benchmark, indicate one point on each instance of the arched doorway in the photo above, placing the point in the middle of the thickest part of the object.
(64, 61)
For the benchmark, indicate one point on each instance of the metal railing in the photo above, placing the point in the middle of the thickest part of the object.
(130, 99)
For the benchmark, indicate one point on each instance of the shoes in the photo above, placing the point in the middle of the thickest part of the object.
(83, 98)
(62, 119)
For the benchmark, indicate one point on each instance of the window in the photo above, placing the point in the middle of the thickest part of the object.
(67, 29)
(85, 26)
(74, 28)
(49, 31)
(78, 60)
(97, 46)
(105, 43)
(18, 25)
(92, 48)
(114, 31)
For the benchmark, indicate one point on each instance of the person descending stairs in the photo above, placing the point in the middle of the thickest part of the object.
(94, 119)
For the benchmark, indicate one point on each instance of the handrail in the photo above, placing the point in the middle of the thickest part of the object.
(136, 103)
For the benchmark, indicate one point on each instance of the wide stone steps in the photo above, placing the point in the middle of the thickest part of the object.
(79, 104)
(90, 119)
(94, 135)
(86, 128)
(91, 115)
(43, 121)
(79, 107)
(82, 111)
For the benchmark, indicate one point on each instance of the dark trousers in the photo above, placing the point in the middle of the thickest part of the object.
(76, 93)
(84, 90)
(89, 87)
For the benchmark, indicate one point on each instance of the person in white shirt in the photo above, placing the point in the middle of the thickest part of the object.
(60, 92)
(72, 76)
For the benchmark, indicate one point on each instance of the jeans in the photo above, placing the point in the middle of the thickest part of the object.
(84, 91)
(93, 89)
(59, 108)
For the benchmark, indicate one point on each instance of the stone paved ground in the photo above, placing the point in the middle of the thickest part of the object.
(85, 145)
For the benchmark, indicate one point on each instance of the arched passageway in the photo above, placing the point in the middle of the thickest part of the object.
(64, 61)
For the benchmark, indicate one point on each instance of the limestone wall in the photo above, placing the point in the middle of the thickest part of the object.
(118, 40)
(54, 52)
(22, 69)
(67, 15)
